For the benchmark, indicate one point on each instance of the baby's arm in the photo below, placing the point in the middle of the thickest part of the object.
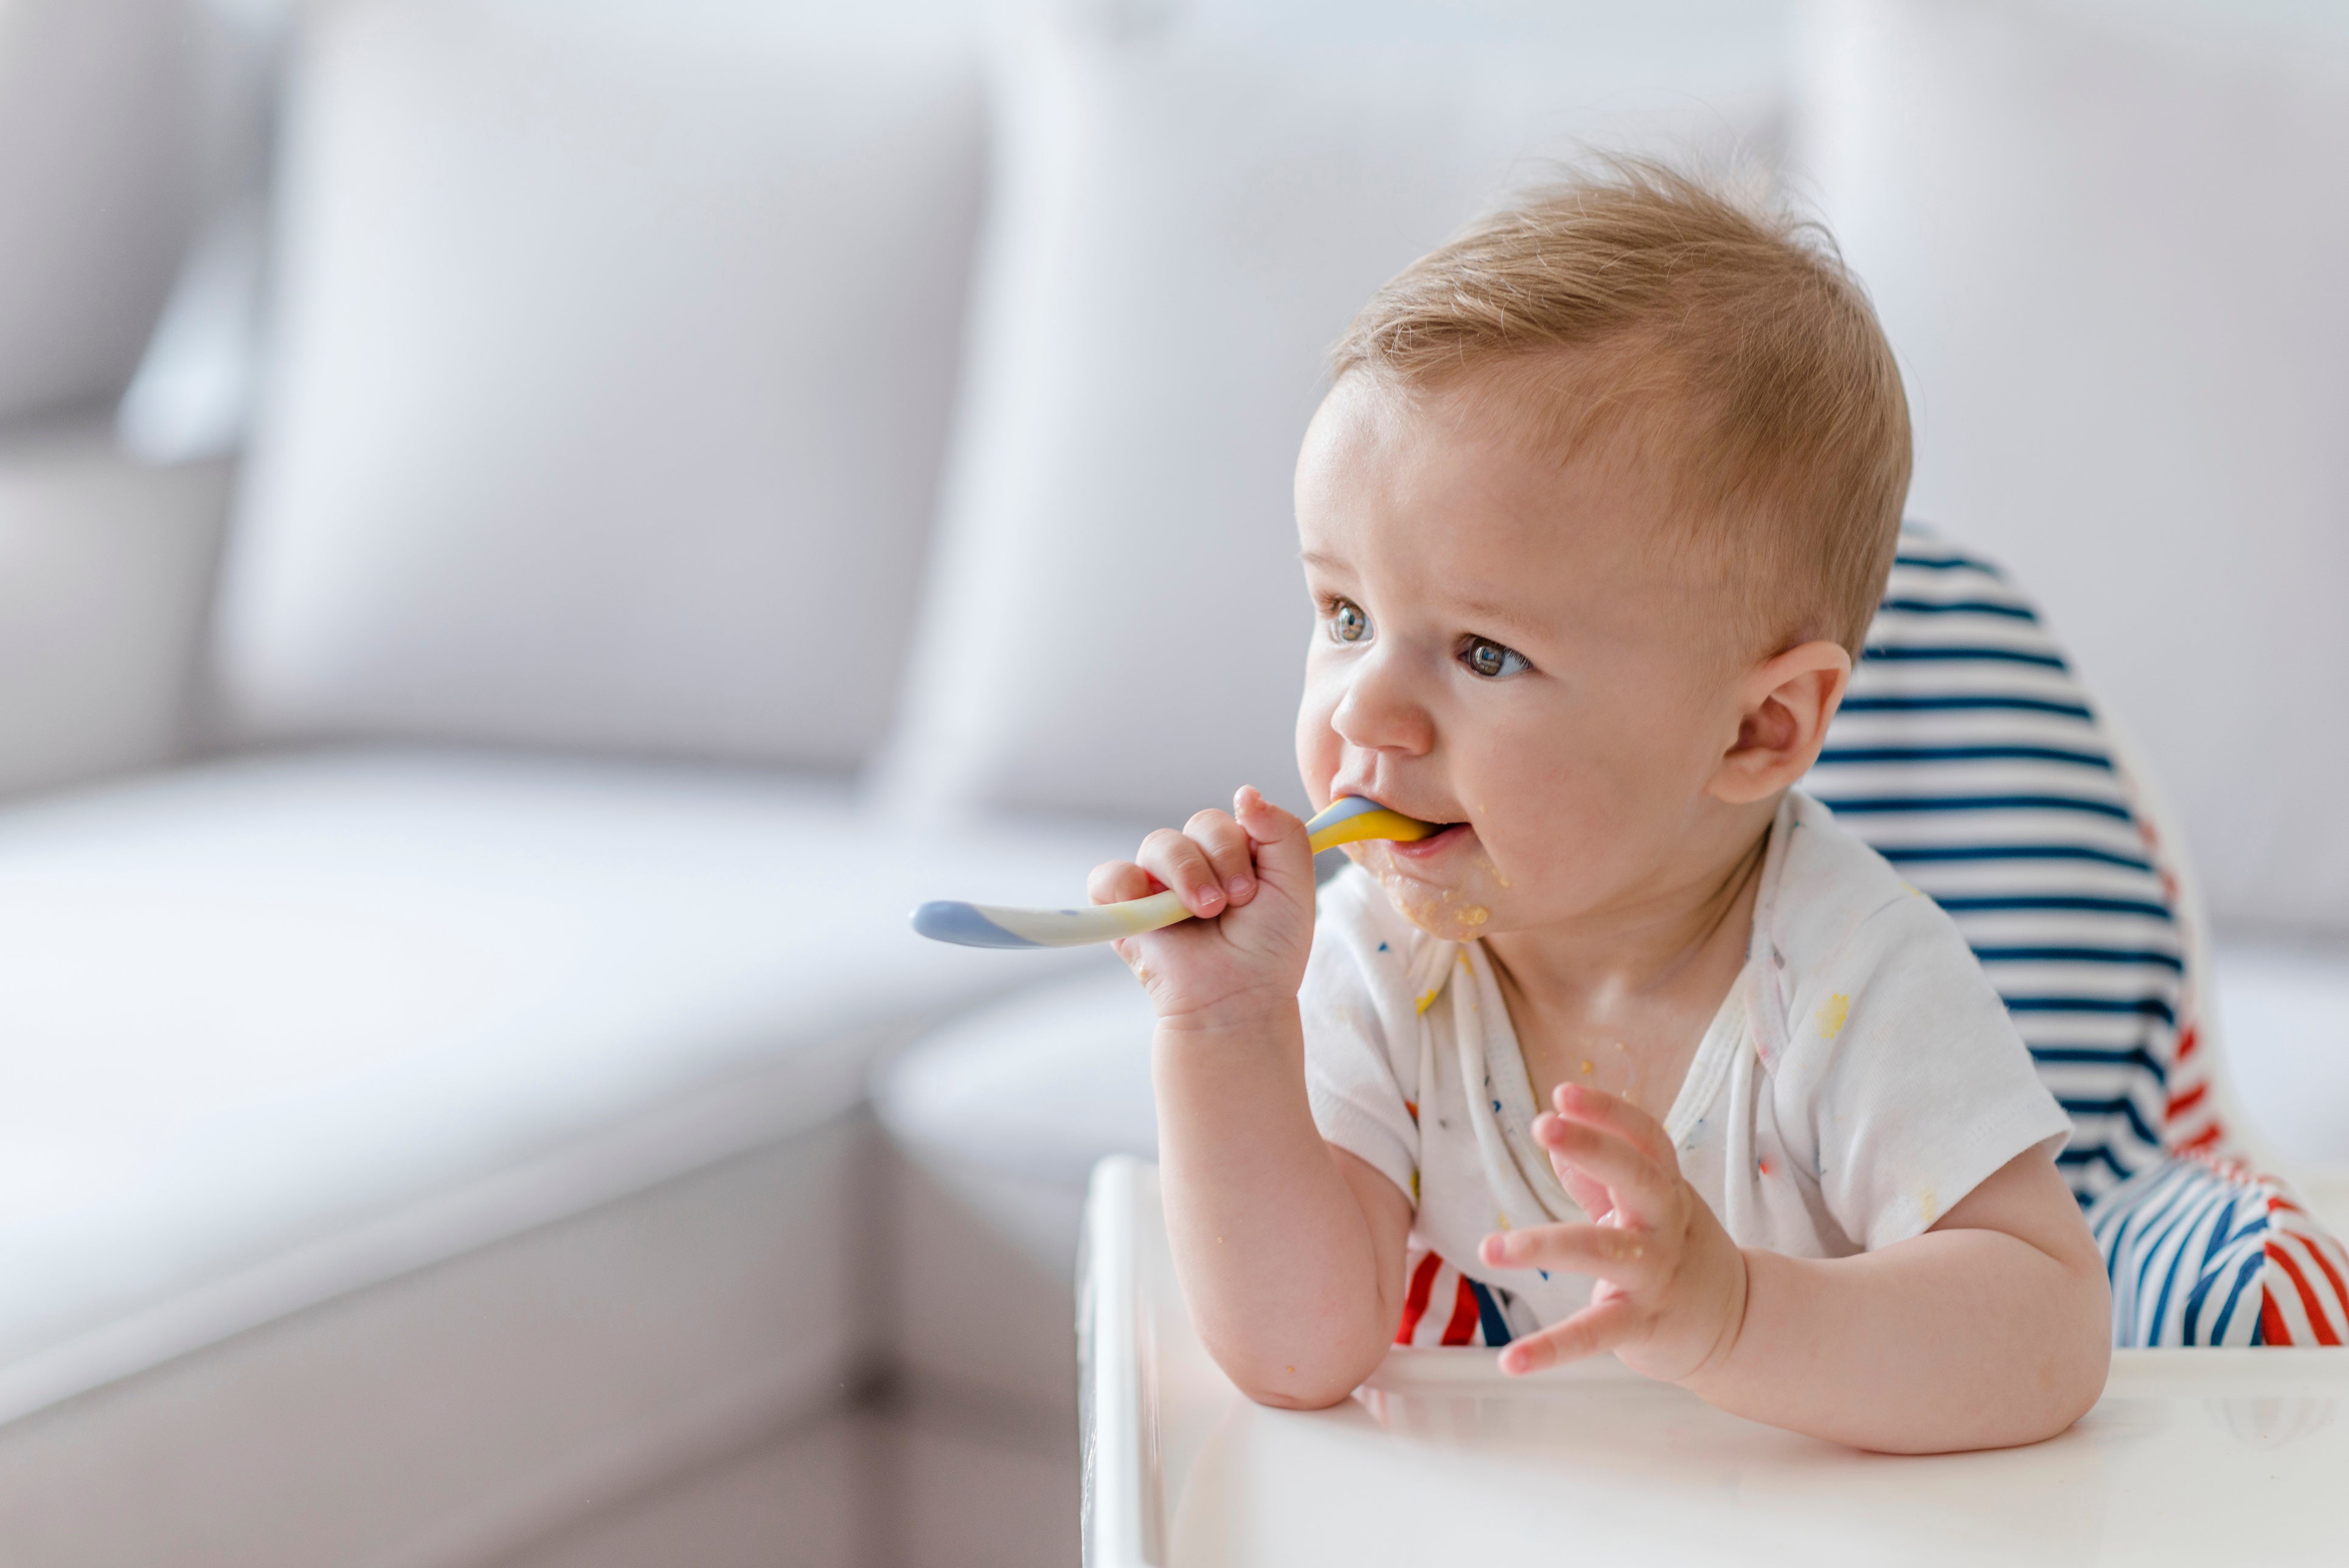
(1990, 1329)
(1993, 1328)
(1289, 1251)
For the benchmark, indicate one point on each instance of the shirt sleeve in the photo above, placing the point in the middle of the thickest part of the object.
(1902, 1067)
(1357, 1082)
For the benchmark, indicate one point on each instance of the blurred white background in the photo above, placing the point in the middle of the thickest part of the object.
(531, 531)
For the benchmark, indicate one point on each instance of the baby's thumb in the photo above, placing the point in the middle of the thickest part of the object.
(1283, 858)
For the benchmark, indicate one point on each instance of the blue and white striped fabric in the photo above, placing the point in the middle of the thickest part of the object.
(2203, 1252)
(1968, 755)
(2187, 1249)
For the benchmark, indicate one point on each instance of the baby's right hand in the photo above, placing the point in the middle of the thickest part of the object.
(1249, 880)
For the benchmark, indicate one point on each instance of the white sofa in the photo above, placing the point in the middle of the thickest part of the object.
(449, 942)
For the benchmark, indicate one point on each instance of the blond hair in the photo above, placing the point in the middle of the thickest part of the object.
(1783, 439)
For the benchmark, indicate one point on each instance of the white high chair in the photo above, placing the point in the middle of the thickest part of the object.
(2210, 1456)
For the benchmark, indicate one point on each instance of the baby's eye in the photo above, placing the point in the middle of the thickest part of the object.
(1347, 621)
(1490, 660)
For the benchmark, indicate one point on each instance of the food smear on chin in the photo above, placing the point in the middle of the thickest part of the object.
(1448, 914)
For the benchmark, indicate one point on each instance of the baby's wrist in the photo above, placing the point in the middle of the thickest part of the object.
(1715, 1365)
(1243, 1020)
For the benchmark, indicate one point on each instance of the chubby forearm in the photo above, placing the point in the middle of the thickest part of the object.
(1959, 1339)
(1288, 1278)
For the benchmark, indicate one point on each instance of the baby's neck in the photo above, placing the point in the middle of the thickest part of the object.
(1622, 1004)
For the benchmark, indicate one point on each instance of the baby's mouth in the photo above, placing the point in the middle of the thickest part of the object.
(1451, 836)
(1442, 884)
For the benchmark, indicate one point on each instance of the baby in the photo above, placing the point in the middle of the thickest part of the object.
(1641, 1053)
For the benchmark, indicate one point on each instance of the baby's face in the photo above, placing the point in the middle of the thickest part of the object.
(1499, 647)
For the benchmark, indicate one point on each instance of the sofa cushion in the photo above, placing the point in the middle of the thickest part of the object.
(2107, 248)
(613, 351)
(98, 170)
(456, 1412)
(998, 1117)
(102, 603)
(271, 1022)
(1017, 1101)
(1182, 223)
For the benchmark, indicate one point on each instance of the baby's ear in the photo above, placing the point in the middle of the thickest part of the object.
(1785, 703)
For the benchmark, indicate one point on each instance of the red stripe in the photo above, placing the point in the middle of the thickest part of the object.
(2201, 1139)
(2316, 1245)
(1414, 1304)
(1463, 1326)
(2188, 1038)
(2180, 1104)
(2318, 1323)
(2272, 1326)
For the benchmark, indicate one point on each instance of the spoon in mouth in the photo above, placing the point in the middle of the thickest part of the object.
(1349, 820)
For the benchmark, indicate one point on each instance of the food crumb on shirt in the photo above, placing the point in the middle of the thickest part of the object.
(1428, 1000)
(1929, 1204)
(1831, 1015)
(1763, 1166)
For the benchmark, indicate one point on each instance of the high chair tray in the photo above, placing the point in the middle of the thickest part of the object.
(2209, 1456)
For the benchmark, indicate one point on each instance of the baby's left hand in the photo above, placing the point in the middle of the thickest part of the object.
(1670, 1295)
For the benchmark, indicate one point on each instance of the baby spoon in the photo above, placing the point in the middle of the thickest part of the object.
(1346, 822)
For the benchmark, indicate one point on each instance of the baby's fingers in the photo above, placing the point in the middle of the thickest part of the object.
(1596, 1107)
(1178, 862)
(1591, 1197)
(1593, 1329)
(1284, 858)
(1117, 881)
(1638, 1186)
(1229, 856)
(1632, 1259)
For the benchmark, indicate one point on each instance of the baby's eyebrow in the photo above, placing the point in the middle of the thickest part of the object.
(1487, 609)
(1512, 618)
(1501, 617)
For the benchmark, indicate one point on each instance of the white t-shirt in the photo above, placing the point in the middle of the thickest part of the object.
(1860, 1078)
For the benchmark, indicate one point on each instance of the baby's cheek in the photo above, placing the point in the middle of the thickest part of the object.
(1318, 747)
